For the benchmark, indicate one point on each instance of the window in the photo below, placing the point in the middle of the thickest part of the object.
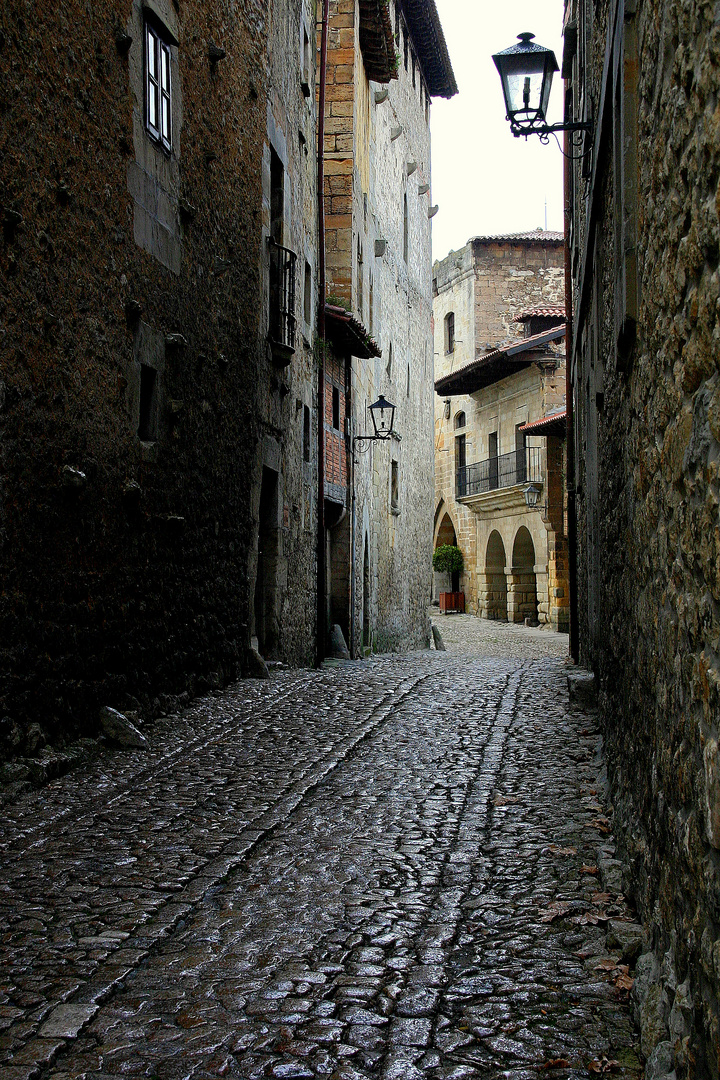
(307, 294)
(336, 408)
(147, 425)
(405, 228)
(370, 306)
(305, 81)
(306, 433)
(158, 90)
(360, 296)
(394, 485)
(450, 332)
(459, 419)
(277, 196)
(388, 367)
(407, 390)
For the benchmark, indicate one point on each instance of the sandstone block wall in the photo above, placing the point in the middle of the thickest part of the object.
(485, 285)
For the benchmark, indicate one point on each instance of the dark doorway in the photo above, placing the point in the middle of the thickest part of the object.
(266, 626)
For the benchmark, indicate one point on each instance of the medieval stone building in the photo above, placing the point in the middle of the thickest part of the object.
(644, 246)
(161, 409)
(500, 424)
(385, 63)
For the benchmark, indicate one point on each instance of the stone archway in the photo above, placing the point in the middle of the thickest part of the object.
(522, 586)
(445, 535)
(493, 584)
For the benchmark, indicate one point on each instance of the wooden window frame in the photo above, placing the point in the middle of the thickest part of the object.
(158, 87)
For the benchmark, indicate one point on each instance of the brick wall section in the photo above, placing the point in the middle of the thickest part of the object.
(339, 143)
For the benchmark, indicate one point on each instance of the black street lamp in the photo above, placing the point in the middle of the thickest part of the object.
(382, 414)
(526, 72)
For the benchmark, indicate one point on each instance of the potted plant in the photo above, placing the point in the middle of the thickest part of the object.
(448, 559)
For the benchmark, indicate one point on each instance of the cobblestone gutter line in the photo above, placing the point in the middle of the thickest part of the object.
(55, 1025)
(411, 1032)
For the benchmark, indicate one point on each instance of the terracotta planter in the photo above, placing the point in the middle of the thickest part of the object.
(452, 601)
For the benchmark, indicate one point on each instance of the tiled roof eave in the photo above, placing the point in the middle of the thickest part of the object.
(349, 334)
(427, 34)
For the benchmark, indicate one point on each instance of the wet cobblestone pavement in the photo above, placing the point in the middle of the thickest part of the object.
(384, 869)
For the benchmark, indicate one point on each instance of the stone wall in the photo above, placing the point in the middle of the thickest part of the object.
(132, 305)
(379, 265)
(648, 408)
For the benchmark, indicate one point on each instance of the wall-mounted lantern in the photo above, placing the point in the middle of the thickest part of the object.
(526, 72)
(532, 494)
(382, 414)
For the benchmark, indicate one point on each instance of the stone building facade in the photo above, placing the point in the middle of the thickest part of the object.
(644, 242)
(385, 63)
(153, 438)
(162, 400)
(499, 374)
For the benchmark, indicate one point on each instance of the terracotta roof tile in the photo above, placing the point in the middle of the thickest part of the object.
(539, 236)
(542, 311)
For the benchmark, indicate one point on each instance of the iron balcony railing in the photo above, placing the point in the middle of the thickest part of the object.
(282, 296)
(518, 467)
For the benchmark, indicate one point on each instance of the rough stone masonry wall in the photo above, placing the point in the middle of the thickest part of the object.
(657, 643)
(133, 580)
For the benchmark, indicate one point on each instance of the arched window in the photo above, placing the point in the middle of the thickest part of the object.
(459, 419)
(450, 332)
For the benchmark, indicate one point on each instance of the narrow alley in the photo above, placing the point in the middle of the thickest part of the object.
(393, 868)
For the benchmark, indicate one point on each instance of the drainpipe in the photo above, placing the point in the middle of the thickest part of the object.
(321, 582)
(351, 468)
(570, 423)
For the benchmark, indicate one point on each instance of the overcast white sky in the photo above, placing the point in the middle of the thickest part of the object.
(484, 180)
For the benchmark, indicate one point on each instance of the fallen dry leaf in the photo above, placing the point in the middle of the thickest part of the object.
(624, 982)
(606, 964)
(601, 898)
(601, 824)
(604, 1066)
(590, 918)
(555, 910)
(588, 869)
(557, 1063)
(555, 850)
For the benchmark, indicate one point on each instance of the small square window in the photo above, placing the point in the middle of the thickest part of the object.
(158, 88)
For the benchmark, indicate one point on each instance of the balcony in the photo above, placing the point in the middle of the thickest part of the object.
(282, 302)
(484, 478)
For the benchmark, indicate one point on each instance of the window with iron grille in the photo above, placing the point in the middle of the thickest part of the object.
(282, 296)
(158, 89)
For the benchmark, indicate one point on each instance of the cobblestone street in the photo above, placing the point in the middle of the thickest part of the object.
(388, 868)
